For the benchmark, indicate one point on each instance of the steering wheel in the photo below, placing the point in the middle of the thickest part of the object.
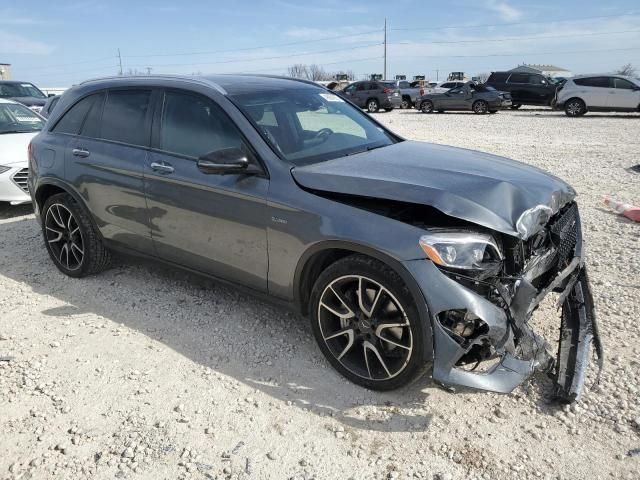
(323, 134)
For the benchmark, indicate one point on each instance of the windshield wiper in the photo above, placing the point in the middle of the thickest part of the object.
(368, 149)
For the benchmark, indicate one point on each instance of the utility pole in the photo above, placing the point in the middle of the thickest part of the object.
(384, 75)
(437, 74)
(120, 62)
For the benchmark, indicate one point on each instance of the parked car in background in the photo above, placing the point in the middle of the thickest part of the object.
(599, 93)
(18, 125)
(407, 257)
(444, 86)
(49, 106)
(25, 93)
(470, 96)
(525, 88)
(409, 92)
(373, 95)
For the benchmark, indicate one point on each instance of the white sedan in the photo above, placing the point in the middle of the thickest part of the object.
(18, 125)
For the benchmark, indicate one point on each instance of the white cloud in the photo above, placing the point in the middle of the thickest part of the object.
(13, 44)
(507, 12)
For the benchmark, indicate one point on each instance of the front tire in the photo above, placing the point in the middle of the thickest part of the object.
(480, 107)
(366, 323)
(426, 106)
(372, 105)
(73, 243)
(575, 108)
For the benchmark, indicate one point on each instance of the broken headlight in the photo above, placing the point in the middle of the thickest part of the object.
(461, 250)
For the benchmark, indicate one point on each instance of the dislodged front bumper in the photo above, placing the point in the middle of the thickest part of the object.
(519, 351)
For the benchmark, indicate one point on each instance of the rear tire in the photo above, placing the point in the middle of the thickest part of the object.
(426, 106)
(372, 105)
(73, 243)
(574, 107)
(406, 103)
(350, 302)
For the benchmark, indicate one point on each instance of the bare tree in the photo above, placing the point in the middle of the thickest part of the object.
(628, 70)
(482, 77)
(298, 71)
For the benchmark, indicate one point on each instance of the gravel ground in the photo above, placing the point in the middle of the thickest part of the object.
(147, 372)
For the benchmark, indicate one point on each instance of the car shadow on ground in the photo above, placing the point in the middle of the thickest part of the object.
(221, 332)
(10, 211)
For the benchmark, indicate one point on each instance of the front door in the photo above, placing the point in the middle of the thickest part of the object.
(625, 95)
(212, 223)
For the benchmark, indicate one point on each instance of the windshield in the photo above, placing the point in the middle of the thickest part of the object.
(14, 90)
(16, 118)
(309, 125)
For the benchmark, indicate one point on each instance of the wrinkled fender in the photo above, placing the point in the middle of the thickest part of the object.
(391, 262)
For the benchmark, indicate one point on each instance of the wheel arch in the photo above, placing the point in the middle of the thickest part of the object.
(320, 255)
(51, 186)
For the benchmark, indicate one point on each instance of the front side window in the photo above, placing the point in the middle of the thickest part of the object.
(72, 121)
(537, 80)
(312, 125)
(447, 85)
(623, 84)
(15, 118)
(16, 90)
(124, 117)
(194, 126)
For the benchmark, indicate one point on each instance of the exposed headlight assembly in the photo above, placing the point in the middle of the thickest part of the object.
(461, 250)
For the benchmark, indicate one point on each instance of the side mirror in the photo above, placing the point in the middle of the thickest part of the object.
(225, 161)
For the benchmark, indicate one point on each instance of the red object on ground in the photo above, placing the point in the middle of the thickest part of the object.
(629, 211)
(632, 213)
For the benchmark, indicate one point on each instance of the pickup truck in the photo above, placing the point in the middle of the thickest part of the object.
(410, 91)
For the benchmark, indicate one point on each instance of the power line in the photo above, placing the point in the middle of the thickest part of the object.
(547, 21)
(256, 59)
(215, 52)
(69, 64)
(510, 39)
(522, 54)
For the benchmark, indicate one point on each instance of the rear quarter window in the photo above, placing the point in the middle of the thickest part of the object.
(72, 121)
(497, 77)
(600, 82)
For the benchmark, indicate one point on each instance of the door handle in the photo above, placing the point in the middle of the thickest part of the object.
(80, 152)
(162, 167)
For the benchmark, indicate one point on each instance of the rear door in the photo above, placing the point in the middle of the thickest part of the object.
(212, 223)
(519, 87)
(625, 95)
(105, 162)
(595, 91)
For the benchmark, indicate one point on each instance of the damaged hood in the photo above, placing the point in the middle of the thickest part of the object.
(484, 189)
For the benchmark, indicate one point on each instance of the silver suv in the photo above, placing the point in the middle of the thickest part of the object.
(599, 93)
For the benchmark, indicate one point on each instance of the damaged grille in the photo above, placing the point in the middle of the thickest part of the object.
(564, 233)
(561, 234)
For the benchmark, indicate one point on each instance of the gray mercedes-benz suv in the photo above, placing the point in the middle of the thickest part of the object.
(405, 256)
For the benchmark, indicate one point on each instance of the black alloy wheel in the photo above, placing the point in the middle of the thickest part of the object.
(366, 324)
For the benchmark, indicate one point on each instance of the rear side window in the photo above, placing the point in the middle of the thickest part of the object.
(124, 117)
(194, 126)
(72, 121)
(623, 84)
(519, 78)
(600, 82)
(405, 85)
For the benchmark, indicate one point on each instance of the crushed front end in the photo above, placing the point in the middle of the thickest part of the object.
(481, 298)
